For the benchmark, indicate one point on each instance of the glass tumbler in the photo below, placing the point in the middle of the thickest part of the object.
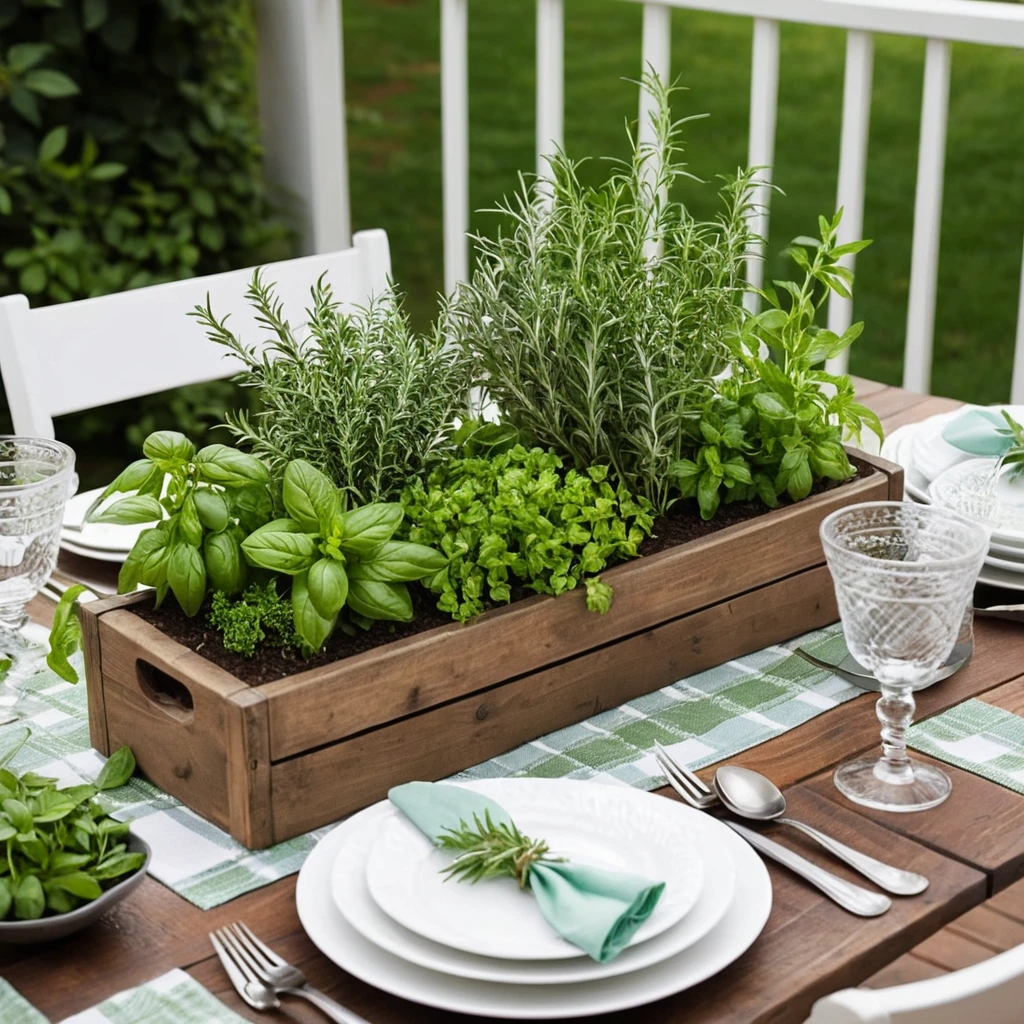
(36, 477)
(903, 574)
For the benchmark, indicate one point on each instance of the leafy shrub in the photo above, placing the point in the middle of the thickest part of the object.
(129, 155)
(260, 615)
(517, 519)
(587, 342)
(363, 399)
(776, 424)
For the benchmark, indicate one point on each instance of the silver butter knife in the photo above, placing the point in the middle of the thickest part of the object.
(853, 898)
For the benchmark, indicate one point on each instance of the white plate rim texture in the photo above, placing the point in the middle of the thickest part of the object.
(106, 537)
(352, 898)
(340, 943)
(582, 819)
(96, 554)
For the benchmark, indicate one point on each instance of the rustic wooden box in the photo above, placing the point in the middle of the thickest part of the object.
(271, 761)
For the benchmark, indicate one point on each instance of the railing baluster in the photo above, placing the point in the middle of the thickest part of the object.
(853, 155)
(455, 140)
(917, 367)
(550, 80)
(1017, 384)
(656, 57)
(764, 101)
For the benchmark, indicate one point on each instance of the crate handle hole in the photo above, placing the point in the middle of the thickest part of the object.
(169, 694)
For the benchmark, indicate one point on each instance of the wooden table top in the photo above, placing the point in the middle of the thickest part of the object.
(972, 847)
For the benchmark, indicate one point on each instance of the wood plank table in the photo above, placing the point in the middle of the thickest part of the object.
(972, 848)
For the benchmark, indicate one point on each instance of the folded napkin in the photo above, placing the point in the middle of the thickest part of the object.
(593, 908)
(976, 431)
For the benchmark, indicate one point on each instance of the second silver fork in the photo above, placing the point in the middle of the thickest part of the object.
(854, 898)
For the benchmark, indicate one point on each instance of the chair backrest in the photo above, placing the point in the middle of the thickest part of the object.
(991, 992)
(940, 22)
(80, 355)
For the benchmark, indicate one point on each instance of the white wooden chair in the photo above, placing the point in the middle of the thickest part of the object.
(81, 355)
(991, 992)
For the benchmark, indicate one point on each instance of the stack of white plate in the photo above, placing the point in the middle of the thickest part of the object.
(372, 898)
(935, 471)
(101, 541)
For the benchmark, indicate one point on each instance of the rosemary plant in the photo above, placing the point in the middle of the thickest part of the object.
(362, 398)
(486, 850)
(590, 342)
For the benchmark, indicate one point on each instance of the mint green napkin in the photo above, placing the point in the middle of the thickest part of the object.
(976, 431)
(593, 908)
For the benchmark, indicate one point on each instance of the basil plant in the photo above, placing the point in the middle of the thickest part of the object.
(338, 559)
(203, 502)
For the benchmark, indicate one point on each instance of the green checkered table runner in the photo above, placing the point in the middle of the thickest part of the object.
(701, 719)
(173, 998)
(977, 737)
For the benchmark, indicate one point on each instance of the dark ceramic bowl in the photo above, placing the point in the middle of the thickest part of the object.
(46, 929)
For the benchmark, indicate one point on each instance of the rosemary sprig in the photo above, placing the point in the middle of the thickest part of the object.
(486, 850)
(1014, 455)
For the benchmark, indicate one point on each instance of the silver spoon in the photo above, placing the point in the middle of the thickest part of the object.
(750, 795)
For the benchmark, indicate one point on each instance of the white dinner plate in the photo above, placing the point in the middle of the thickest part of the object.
(613, 827)
(897, 449)
(930, 453)
(1001, 578)
(341, 943)
(117, 557)
(352, 898)
(1007, 549)
(107, 538)
(1006, 564)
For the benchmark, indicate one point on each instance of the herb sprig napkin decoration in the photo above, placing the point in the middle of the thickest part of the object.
(985, 433)
(593, 908)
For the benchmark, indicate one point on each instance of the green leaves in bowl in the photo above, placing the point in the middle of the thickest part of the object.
(61, 848)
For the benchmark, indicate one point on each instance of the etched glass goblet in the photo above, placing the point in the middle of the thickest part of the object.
(903, 574)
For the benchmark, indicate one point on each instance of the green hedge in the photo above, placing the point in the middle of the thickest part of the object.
(130, 151)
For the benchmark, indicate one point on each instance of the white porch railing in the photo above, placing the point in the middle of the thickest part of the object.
(940, 22)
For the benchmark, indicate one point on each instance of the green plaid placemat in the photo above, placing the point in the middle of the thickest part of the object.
(173, 998)
(16, 1010)
(977, 737)
(701, 719)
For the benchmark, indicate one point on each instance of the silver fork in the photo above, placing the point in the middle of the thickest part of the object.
(260, 975)
(885, 876)
(854, 898)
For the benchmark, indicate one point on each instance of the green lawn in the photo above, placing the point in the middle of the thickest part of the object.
(392, 55)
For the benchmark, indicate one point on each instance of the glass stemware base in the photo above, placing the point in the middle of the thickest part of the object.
(872, 782)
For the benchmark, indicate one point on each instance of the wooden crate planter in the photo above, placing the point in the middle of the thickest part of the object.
(271, 761)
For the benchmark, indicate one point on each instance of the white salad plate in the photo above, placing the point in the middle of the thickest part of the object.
(106, 541)
(352, 898)
(345, 946)
(603, 826)
(897, 449)
(930, 453)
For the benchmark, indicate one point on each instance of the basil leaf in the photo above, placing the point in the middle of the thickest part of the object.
(282, 550)
(154, 567)
(77, 883)
(118, 865)
(211, 508)
(368, 527)
(29, 901)
(252, 506)
(188, 522)
(139, 508)
(169, 449)
(6, 899)
(327, 583)
(19, 815)
(148, 541)
(309, 497)
(219, 464)
(378, 600)
(313, 627)
(65, 634)
(131, 478)
(397, 561)
(117, 771)
(11, 741)
(226, 570)
(186, 576)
